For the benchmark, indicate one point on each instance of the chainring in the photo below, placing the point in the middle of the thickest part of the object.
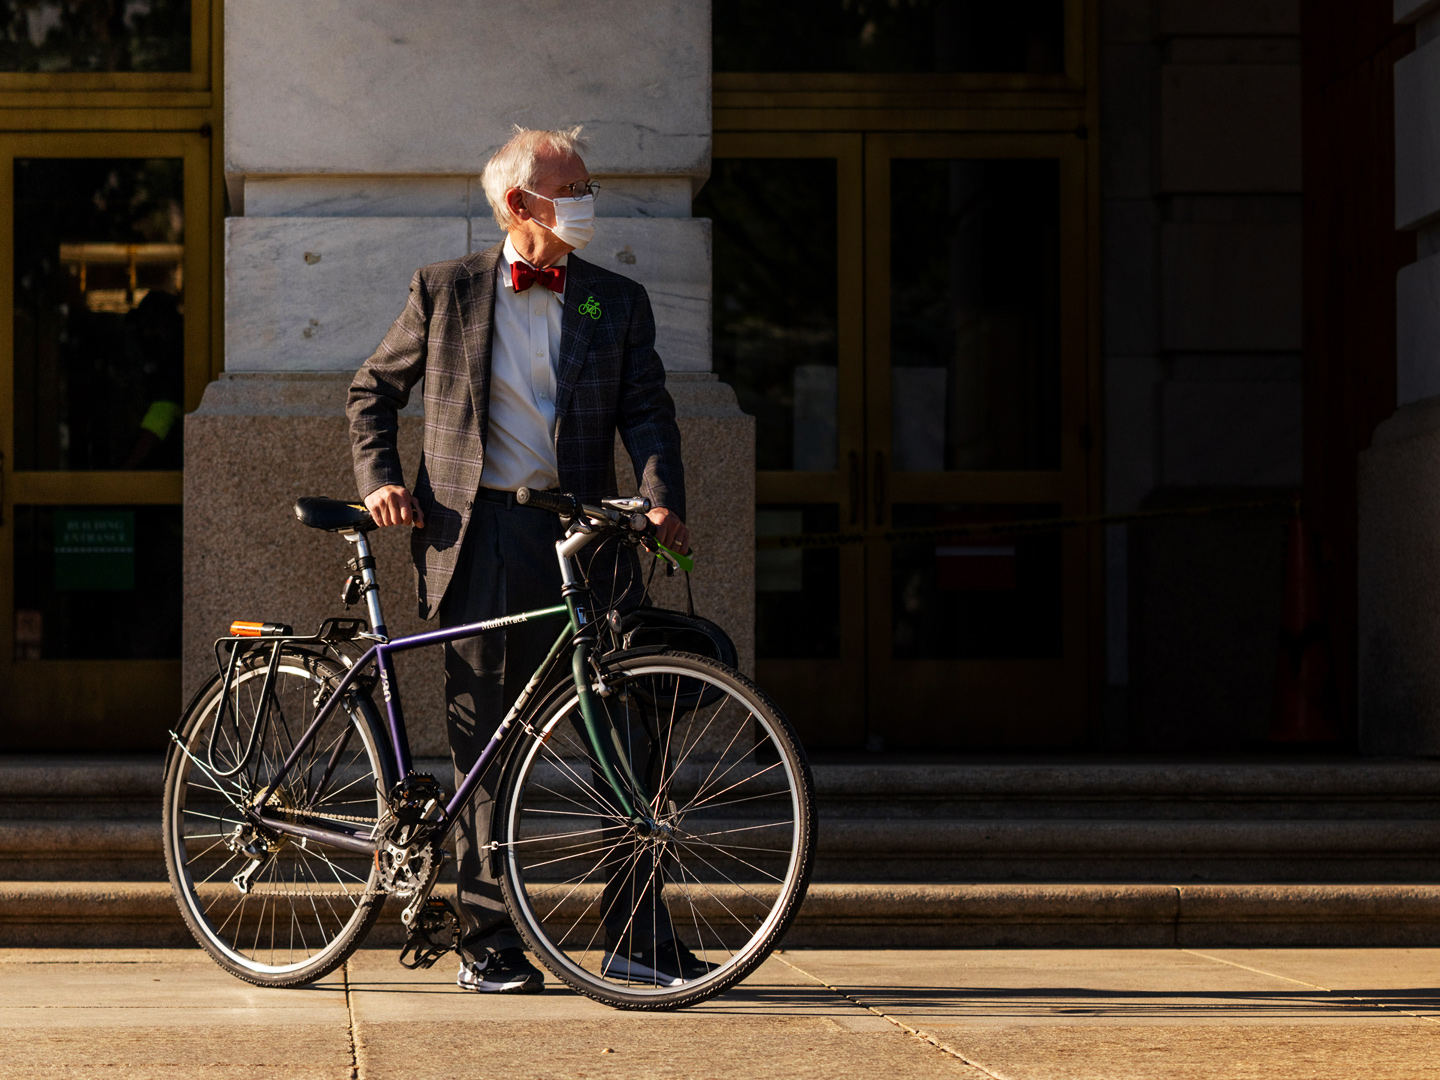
(404, 871)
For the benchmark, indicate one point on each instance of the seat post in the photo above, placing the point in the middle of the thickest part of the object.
(370, 582)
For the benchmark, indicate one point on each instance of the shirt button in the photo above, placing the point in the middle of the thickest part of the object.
(539, 353)
(539, 312)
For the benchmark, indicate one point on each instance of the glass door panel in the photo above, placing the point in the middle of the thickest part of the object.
(107, 350)
(96, 36)
(86, 46)
(776, 323)
(975, 404)
(974, 314)
(99, 324)
(788, 337)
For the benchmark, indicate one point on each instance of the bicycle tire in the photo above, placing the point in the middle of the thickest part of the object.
(730, 867)
(319, 900)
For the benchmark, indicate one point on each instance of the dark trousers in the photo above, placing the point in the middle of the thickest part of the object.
(508, 564)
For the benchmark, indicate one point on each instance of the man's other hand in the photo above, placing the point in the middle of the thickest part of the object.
(394, 505)
(670, 530)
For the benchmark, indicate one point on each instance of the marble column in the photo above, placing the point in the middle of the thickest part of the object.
(354, 136)
(1399, 478)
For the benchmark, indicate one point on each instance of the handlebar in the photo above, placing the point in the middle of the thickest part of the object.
(564, 505)
(627, 515)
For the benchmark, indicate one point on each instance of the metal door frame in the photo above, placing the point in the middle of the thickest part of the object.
(98, 703)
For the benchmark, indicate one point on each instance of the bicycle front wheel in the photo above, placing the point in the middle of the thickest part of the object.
(273, 910)
(722, 866)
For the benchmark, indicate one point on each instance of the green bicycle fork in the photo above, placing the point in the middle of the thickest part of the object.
(600, 744)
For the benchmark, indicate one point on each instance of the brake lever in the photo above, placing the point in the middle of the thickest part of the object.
(673, 558)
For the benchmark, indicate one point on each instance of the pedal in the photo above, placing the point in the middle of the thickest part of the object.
(434, 931)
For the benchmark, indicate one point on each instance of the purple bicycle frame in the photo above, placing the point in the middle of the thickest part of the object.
(380, 655)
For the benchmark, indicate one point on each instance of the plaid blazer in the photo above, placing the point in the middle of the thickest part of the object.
(609, 378)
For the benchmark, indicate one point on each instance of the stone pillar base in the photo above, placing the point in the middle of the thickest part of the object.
(260, 441)
(1399, 584)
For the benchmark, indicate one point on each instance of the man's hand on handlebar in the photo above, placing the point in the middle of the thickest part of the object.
(394, 505)
(670, 530)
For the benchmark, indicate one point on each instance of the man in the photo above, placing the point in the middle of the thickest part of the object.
(532, 359)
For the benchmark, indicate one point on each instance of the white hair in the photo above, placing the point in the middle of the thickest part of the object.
(516, 163)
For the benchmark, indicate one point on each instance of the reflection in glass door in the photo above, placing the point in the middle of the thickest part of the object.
(105, 353)
(975, 409)
(787, 251)
(946, 387)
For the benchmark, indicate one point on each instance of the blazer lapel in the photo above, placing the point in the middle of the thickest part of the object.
(575, 330)
(475, 300)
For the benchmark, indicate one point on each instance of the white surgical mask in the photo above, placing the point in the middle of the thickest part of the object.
(574, 218)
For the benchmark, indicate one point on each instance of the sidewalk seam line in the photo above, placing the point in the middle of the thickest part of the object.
(350, 1022)
(1313, 986)
(914, 1033)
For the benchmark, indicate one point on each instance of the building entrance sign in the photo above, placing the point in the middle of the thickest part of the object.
(94, 549)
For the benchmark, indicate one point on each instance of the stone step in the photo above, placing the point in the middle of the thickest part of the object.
(88, 786)
(108, 787)
(838, 915)
(938, 850)
(1337, 821)
(1145, 790)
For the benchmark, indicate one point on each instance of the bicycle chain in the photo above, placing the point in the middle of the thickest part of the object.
(366, 895)
(296, 811)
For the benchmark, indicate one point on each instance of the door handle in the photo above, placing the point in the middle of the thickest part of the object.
(879, 487)
(855, 481)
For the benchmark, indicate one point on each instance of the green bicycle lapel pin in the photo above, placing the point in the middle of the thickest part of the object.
(590, 307)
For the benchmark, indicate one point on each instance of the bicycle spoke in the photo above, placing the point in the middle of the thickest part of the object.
(717, 870)
(581, 877)
(292, 913)
(691, 805)
(730, 843)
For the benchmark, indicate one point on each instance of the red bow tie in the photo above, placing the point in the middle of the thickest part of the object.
(523, 276)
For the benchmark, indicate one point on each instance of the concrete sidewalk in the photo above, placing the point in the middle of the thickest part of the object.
(1043, 1014)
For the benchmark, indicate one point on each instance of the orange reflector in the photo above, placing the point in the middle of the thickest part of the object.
(246, 629)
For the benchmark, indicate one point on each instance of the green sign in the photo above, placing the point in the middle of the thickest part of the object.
(94, 549)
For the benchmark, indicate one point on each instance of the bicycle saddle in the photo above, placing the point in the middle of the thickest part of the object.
(332, 515)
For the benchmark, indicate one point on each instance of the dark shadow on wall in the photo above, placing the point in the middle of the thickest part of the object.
(1205, 597)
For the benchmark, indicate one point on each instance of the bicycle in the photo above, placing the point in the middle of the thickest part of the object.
(650, 788)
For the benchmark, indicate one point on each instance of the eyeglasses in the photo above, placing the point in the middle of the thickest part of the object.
(581, 188)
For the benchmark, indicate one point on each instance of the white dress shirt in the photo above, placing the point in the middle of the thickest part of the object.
(524, 352)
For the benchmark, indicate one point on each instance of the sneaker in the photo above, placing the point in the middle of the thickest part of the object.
(670, 964)
(504, 972)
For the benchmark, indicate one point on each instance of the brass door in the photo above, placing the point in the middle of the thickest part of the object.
(975, 412)
(106, 261)
(922, 363)
(788, 218)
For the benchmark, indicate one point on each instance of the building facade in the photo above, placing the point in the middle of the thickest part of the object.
(995, 268)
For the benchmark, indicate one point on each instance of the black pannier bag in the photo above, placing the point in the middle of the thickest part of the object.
(633, 622)
(647, 627)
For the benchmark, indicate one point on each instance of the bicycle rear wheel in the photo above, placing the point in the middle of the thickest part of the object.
(723, 872)
(275, 911)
